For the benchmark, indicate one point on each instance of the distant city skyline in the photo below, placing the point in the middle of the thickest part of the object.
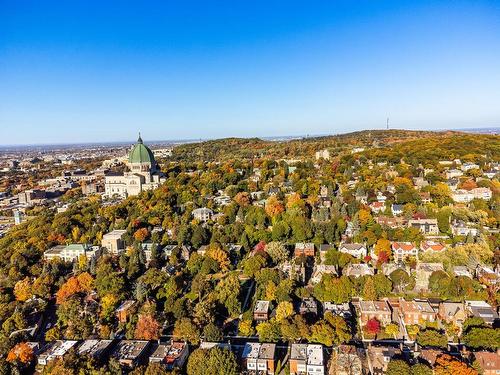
(91, 72)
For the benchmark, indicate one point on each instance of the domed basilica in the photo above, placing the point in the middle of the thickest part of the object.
(143, 174)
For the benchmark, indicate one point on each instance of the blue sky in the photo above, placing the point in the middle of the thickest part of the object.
(82, 71)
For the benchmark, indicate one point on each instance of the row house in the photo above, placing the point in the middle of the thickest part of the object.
(306, 359)
(489, 362)
(464, 196)
(304, 248)
(259, 357)
(414, 312)
(96, 349)
(379, 310)
(452, 312)
(483, 310)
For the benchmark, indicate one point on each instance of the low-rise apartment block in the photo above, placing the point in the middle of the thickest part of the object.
(70, 253)
(113, 241)
(55, 350)
(130, 353)
(172, 355)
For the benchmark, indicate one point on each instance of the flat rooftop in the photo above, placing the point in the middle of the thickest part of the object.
(114, 234)
(374, 306)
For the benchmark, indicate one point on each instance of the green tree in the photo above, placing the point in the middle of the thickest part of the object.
(421, 369)
(432, 338)
(221, 362)
(186, 330)
(398, 367)
(284, 310)
(253, 264)
(400, 280)
(482, 337)
(277, 252)
(269, 331)
(212, 333)
(369, 292)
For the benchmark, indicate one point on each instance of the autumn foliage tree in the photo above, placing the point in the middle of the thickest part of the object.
(83, 283)
(383, 245)
(22, 353)
(23, 290)
(141, 234)
(373, 326)
(447, 365)
(273, 206)
(242, 199)
(284, 310)
(220, 256)
(147, 328)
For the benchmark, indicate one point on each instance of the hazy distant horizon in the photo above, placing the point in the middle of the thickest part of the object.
(119, 143)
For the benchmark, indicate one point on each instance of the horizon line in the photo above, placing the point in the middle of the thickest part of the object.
(290, 136)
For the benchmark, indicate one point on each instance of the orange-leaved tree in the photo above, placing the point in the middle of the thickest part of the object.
(22, 352)
(447, 365)
(75, 284)
(147, 328)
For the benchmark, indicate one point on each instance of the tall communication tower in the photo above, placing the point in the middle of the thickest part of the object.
(387, 123)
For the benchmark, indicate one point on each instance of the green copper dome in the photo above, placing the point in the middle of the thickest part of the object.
(141, 153)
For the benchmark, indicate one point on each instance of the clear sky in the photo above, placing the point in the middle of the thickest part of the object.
(82, 71)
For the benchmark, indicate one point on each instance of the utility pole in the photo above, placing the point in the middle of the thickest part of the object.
(387, 123)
